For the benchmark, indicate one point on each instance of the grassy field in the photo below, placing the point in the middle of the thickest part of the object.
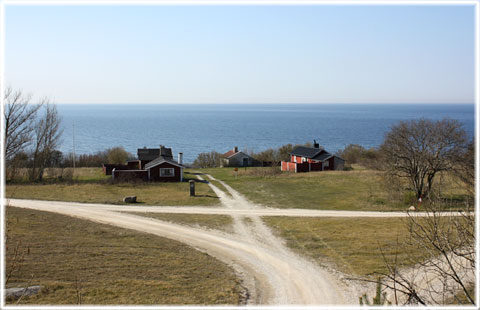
(107, 265)
(218, 222)
(358, 189)
(352, 245)
(90, 189)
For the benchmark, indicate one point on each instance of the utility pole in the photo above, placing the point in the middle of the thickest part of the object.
(74, 148)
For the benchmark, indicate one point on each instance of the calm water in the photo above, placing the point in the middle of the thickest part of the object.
(193, 129)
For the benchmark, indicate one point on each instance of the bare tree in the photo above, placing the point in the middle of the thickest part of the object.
(19, 117)
(465, 168)
(417, 150)
(47, 137)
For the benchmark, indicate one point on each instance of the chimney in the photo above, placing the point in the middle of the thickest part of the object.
(316, 145)
(235, 149)
(180, 158)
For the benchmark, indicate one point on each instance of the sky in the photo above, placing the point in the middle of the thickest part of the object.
(242, 54)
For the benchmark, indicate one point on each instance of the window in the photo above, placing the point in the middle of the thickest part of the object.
(167, 172)
(304, 159)
(327, 163)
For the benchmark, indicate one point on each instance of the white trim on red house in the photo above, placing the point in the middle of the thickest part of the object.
(162, 172)
(165, 161)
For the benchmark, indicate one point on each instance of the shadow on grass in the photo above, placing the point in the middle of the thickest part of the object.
(194, 178)
(207, 196)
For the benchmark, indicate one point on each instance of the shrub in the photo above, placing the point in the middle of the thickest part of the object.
(117, 155)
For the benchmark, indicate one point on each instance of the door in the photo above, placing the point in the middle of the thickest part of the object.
(245, 162)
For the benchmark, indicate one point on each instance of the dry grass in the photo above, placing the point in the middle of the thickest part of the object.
(83, 174)
(112, 265)
(360, 189)
(162, 194)
(352, 245)
(218, 222)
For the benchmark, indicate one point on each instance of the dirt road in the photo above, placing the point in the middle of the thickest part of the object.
(226, 211)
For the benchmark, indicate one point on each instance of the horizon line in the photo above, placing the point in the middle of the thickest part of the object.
(255, 103)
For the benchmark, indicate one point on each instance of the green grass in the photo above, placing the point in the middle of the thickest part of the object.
(326, 190)
(352, 245)
(112, 265)
(218, 222)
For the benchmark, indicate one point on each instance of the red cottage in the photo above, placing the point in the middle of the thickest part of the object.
(306, 159)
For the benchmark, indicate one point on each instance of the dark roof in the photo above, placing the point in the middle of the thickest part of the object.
(151, 154)
(308, 152)
(160, 160)
(322, 156)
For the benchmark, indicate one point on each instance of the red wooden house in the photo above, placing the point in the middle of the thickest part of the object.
(306, 159)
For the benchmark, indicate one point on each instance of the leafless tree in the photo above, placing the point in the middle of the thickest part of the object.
(465, 168)
(19, 116)
(419, 149)
(46, 138)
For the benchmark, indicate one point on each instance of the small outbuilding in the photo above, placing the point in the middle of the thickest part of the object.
(236, 158)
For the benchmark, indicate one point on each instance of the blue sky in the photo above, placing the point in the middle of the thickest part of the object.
(242, 54)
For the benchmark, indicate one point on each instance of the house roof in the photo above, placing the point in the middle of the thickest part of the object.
(309, 152)
(151, 154)
(229, 153)
(322, 156)
(160, 160)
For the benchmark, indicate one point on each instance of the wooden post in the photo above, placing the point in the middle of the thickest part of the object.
(192, 188)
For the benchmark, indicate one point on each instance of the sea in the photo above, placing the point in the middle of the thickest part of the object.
(198, 128)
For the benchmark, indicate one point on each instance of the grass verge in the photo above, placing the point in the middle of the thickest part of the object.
(99, 264)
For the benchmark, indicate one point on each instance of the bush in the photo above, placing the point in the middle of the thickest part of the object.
(357, 154)
(208, 160)
(117, 155)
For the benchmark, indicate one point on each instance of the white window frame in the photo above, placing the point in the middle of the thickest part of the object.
(162, 172)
